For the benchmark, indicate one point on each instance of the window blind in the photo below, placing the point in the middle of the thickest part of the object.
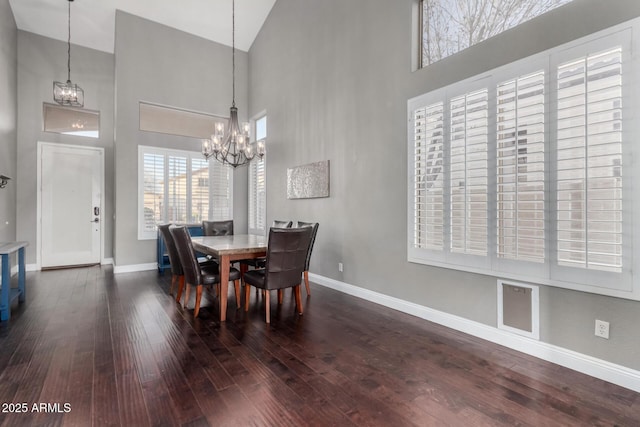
(428, 206)
(199, 190)
(520, 168)
(468, 142)
(221, 192)
(153, 191)
(589, 186)
(177, 189)
(559, 202)
(180, 186)
(257, 195)
(258, 184)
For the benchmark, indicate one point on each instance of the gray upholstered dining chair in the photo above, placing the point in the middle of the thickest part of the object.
(217, 228)
(286, 255)
(314, 227)
(282, 224)
(177, 273)
(259, 262)
(194, 274)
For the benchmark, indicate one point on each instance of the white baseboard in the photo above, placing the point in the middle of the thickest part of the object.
(616, 374)
(107, 261)
(32, 267)
(132, 268)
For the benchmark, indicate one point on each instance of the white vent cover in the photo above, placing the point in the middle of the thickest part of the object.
(519, 308)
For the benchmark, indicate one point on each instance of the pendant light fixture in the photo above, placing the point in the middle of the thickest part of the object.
(68, 94)
(232, 147)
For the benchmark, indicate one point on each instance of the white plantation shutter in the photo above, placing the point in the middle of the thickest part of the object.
(180, 186)
(520, 168)
(221, 189)
(428, 191)
(589, 186)
(468, 172)
(152, 191)
(258, 184)
(532, 178)
(257, 195)
(199, 190)
(177, 189)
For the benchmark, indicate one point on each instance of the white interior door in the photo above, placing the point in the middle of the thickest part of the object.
(70, 205)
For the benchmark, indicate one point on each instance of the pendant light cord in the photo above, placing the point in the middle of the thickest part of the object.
(233, 49)
(69, 45)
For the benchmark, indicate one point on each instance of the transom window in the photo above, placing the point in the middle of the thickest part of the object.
(448, 27)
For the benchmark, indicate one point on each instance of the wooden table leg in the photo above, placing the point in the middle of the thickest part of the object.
(224, 286)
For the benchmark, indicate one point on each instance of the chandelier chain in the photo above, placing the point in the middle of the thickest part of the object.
(69, 43)
(233, 51)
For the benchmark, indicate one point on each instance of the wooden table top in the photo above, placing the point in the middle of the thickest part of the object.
(230, 245)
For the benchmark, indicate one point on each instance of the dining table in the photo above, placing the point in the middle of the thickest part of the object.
(227, 249)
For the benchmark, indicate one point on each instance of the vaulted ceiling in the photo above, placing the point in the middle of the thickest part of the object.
(93, 21)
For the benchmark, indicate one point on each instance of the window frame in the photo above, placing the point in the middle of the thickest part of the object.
(189, 155)
(625, 285)
(253, 223)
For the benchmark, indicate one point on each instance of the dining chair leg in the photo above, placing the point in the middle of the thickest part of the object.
(196, 308)
(306, 282)
(298, 293)
(267, 306)
(237, 286)
(180, 288)
(243, 269)
(280, 296)
(247, 295)
(174, 279)
(186, 295)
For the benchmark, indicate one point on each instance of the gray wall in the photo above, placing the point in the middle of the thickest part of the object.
(334, 77)
(42, 60)
(8, 119)
(159, 64)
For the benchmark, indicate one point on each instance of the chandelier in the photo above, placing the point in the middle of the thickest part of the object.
(232, 147)
(68, 94)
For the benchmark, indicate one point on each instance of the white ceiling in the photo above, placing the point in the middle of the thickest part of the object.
(93, 21)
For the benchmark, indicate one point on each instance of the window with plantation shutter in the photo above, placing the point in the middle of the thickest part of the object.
(468, 172)
(520, 137)
(257, 183)
(152, 191)
(589, 185)
(199, 190)
(177, 189)
(526, 172)
(221, 191)
(180, 186)
(428, 184)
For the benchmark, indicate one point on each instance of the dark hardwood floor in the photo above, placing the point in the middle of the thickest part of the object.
(117, 350)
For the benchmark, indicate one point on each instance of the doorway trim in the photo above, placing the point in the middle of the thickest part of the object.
(40, 146)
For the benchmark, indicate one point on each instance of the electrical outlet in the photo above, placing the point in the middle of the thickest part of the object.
(340, 267)
(602, 329)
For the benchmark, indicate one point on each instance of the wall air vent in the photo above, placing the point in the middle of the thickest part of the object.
(519, 308)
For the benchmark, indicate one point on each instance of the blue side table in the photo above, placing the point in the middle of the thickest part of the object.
(7, 295)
